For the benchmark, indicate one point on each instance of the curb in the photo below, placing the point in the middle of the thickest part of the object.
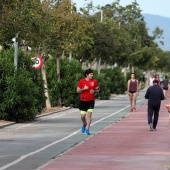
(7, 124)
(41, 115)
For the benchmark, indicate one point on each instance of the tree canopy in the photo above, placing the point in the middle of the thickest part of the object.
(54, 27)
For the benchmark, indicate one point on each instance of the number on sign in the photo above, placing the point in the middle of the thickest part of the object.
(38, 61)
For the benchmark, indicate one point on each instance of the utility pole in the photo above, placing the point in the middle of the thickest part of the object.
(101, 12)
(70, 52)
(15, 40)
(99, 61)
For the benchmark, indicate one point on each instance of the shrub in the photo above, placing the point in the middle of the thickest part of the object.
(70, 73)
(117, 83)
(103, 81)
(20, 87)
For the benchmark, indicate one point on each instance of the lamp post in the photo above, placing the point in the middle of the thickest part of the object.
(101, 16)
(16, 50)
(70, 52)
(99, 61)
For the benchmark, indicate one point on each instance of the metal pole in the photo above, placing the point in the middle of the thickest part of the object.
(99, 62)
(101, 15)
(16, 51)
(70, 52)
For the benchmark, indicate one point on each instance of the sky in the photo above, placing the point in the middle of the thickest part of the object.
(155, 7)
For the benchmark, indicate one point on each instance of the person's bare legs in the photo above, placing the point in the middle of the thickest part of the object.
(168, 108)
(89, 119)
(131, 99)
(134, 100)
(165, 93)
(83, 118)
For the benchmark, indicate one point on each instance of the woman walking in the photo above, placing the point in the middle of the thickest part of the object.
(133, 91)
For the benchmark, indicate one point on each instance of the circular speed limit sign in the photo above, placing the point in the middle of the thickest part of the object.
(38, 61)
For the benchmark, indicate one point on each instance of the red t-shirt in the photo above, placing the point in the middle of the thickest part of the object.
(86, 95)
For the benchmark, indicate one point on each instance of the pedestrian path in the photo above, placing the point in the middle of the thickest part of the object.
(125, 145)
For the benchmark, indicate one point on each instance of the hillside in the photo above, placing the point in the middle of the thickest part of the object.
(163, 23)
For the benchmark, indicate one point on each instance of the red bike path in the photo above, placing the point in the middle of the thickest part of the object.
(125, 145)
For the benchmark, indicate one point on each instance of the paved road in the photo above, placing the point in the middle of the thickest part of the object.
(125, 145)
(29, 146)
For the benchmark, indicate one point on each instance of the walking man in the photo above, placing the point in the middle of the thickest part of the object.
(154, 94)
(87, 87)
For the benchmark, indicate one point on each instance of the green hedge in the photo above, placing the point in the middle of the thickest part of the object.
(21, 89)
(70, 73)
(110, 81)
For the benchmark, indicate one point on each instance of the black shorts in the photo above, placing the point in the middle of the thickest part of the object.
(85, 105)
(165, 88)
(132, 92)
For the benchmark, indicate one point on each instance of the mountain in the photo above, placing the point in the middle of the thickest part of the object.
(163, 23)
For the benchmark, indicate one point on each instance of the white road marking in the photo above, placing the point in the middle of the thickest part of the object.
(53, 143)
(60, 115)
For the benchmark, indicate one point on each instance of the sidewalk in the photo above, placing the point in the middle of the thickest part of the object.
(125, 145)
(4, 123)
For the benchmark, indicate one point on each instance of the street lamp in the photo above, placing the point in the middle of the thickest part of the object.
(101, 12)
(16, 50)
(70, 52)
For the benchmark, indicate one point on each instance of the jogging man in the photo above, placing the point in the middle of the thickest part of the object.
(87, 87)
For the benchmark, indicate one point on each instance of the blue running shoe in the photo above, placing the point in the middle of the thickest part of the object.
(83, 128)
(87, 132)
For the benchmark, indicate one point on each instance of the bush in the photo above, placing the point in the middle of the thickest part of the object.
(117, 83)
(19, 101)
(103, 81)
(20, 88)
(70, 73)
(110, 81)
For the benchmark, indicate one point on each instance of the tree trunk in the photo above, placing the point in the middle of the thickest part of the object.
(63, 54)
(58, 75)
(43, 71)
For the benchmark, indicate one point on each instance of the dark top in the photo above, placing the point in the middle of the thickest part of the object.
(165, 83)
(154, 94)
(133, 86)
